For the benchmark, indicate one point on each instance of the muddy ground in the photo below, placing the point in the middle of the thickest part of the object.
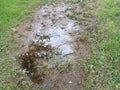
(50, 47)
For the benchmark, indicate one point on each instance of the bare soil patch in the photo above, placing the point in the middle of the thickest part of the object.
(50, 47)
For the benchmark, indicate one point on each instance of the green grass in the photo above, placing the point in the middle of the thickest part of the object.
(104, 64)
(11, 12)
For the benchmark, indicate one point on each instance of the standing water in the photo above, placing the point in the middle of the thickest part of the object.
(53, 39)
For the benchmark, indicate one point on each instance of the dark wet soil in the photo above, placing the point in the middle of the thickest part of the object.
(50, 38)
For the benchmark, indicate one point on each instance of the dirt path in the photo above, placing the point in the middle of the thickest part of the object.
(49, 46)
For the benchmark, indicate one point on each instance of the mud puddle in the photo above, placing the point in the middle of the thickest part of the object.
(52, 39)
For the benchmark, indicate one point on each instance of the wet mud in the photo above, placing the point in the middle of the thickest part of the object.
(51, 37)
(32, 61)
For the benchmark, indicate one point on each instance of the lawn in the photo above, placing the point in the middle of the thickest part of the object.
(104, 64)
(11, 12)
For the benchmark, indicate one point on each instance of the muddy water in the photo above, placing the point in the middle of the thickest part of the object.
(52, 21)
(53, 39)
